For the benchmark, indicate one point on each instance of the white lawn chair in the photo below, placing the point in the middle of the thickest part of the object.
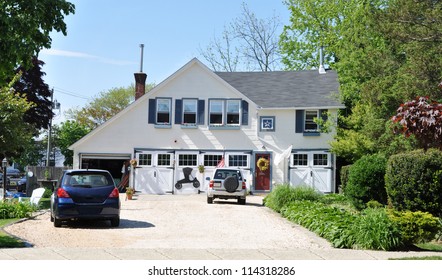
(36, 196)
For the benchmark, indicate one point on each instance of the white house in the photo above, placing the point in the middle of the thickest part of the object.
(197, 117)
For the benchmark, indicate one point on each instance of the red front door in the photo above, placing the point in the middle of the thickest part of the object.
(262, 175)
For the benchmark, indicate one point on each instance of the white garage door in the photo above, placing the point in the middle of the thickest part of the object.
(154, 173)
(312, 169)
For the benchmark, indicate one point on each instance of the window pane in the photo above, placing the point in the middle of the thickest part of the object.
(216, 118)
(300, 159)
(238, 160)
(320, 159)
(187, 160)
(163, 105)
(163, 160)
(212, 160)
(216, 106)
(189, 106)
(145, 159)
(233, 106)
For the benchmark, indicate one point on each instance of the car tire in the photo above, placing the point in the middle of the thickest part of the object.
(209, 200)
(57, 222)
(115, 222)
(231, 184)
(241, 201)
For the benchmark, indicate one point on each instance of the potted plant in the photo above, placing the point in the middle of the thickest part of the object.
(129, 192)
(201, 168)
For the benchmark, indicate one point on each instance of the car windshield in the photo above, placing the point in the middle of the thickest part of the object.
(87, 179)
(223, 174)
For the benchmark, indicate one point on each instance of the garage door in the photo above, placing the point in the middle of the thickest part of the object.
(110, 162)
(154, 172)
(312, 169)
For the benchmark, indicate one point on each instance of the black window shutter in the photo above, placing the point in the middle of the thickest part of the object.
(245, 113)
(152, 111)
(201, 107)
(323, 114)
(299, 121)
(178, 111)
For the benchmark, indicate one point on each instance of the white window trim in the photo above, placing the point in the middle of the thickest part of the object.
(151, 159)
(169, 101)
(196, 112)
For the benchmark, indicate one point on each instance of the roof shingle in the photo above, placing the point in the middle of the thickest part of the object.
(287, 89)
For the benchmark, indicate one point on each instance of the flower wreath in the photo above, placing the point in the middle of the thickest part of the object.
(133, 162)
(262, 164)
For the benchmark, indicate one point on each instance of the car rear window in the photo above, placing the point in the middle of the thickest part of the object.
(223, 174)
(88, 179)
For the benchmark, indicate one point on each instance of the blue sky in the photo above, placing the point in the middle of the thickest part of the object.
(101, 50)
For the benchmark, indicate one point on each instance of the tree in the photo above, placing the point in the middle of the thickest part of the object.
(25, 26)
(67, 134)
(421, 118)
(35, 90)
(14, 133)
(104, 106)
(247, 41)
(385, 52)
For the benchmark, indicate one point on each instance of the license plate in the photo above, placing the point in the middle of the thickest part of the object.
(13, 183)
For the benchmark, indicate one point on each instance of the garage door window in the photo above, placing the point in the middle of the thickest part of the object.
(164, 160)
(187, 160)
(238, 161)
(320, 159)
(145, 159)
(300, 159)
(212, 160)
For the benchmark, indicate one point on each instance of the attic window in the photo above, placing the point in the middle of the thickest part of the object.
(216, 112)
(189, 111)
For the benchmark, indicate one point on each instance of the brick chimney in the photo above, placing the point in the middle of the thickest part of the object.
(140, 78)
(140, 84)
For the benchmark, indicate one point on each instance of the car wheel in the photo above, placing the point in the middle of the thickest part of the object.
(241, 201)
(115, 222)
(231, 184)
(57, 222)
(209, 200)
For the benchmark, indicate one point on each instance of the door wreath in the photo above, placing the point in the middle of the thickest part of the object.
(262, 164)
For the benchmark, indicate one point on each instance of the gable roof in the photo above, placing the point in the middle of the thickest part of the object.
(287, 89)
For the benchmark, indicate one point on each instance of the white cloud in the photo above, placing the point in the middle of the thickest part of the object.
(63, 53)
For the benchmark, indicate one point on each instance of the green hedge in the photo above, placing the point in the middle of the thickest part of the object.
(414, 181)
(15, 209)
(345, 170)
(366, 180)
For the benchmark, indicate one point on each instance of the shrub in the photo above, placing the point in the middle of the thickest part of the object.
(374, 230)
(416, 227)
(15, 209)
(366, 180)
(329, 222)
(414, 181)
(374, 204)
(283, 195)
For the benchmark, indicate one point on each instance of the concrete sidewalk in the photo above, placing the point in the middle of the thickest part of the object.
(200, 254)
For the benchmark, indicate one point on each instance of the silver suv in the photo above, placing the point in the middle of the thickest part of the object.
(227, 183)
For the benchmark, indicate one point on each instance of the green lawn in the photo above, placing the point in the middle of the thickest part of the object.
(7, 241)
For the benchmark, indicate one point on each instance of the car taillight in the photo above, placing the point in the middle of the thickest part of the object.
(211, 184)
(244, 185)
(114, 193)
(62, 193)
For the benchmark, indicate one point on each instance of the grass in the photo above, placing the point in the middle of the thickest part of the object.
(7, 241)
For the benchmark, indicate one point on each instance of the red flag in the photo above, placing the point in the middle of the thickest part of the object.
(220, 163)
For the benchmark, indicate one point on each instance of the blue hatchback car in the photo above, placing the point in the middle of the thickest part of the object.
(85, 194)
